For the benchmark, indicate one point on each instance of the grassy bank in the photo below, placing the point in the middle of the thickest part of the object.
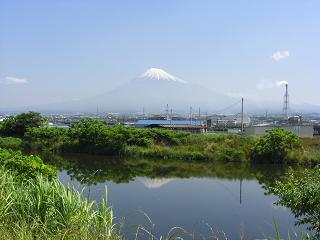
(93, 137)
(35, 205)
(44, 209)
(209, 147)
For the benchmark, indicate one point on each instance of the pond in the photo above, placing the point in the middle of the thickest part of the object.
(230, 197)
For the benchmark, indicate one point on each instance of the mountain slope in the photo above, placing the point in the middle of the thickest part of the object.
(153, 90)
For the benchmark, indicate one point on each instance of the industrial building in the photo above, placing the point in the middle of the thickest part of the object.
(301, 130)
(316, 129)
(228, 121)
(194, 126)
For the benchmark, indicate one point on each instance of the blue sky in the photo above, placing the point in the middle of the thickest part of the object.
(59, 50)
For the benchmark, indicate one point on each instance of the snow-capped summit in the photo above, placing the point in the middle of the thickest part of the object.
(152, 90)
(159, 74)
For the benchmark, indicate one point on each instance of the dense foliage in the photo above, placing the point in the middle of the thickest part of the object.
(18, 125)
(301, 193)
(11, 143)
(92, 136)
(25, 167)
(276, 145)
(46, 139)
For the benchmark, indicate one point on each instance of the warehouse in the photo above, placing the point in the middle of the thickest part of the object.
(194, 126)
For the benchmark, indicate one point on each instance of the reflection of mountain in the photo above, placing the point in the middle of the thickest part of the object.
(91, 169)
(155, 182)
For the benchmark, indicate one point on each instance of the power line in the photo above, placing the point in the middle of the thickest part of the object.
(230, 106)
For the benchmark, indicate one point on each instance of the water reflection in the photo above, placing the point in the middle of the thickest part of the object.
(154, 182)
(90, 169)
(229, 196)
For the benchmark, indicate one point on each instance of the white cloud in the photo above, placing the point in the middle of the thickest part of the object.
(281, 83)
(15, 80)
(268, 84)
(280, 55)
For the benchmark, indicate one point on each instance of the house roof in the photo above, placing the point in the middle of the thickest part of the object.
(168, 122)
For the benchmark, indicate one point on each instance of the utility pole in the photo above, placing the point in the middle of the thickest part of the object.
(190, 115)
(143, 114)
(171, 118)
(206, 119)
(167, 112)
(241, 115)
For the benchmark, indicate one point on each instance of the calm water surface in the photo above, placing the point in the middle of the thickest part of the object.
(229, 197)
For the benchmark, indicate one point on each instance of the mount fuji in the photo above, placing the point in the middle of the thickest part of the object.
(152, 90)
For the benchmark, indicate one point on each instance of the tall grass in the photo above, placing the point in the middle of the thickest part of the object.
(45, 209)
(290, 236)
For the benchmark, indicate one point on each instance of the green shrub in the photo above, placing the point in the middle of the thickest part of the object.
(92, 136)
(301, 193)
(42, 139)
(276, 145)
(11, 143)
(25, 167)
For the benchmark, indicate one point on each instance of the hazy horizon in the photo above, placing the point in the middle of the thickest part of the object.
(61, 51)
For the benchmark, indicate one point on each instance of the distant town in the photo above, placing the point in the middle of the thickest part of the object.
(304, 125)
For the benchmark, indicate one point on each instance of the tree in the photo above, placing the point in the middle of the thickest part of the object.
(18, 125)
(275, 145)
(300, 191)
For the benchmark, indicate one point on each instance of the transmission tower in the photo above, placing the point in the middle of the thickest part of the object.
(286, 103)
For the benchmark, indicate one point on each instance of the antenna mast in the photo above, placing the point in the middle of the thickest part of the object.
(286, 103)
(241, 115)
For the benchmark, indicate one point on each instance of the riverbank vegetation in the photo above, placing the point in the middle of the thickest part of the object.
(25, 167)
(35, 205)
(54, 211)
(45, 209)
(301, 193)
(94, 137)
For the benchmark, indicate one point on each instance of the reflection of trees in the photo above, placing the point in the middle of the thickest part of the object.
(91, 169)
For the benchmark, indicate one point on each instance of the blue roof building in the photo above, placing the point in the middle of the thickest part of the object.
(169, 122)
(182, 125)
